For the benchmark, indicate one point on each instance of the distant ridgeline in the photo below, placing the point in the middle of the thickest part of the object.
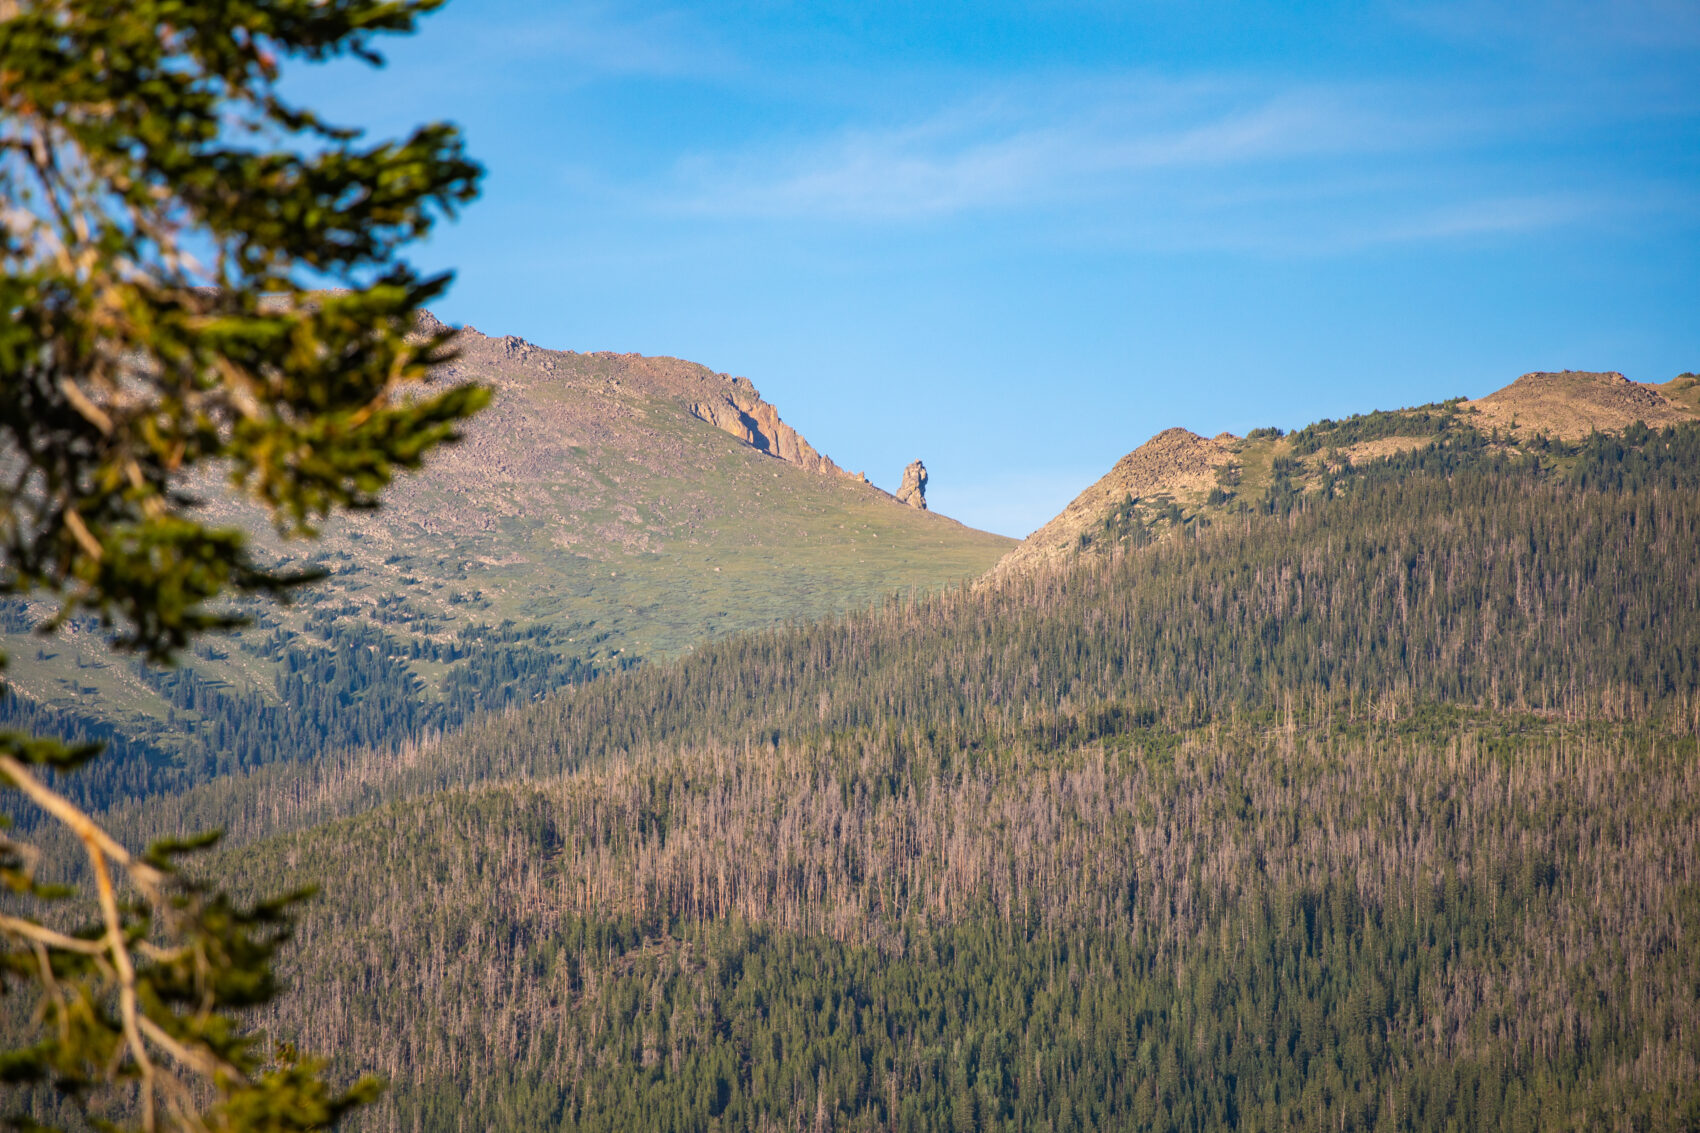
(1366, 797)
(605, 510)
(1178, 477)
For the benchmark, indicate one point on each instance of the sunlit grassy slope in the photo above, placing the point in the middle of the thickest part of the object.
(590, 513)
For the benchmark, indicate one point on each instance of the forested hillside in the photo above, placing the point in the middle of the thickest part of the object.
(1371, 804)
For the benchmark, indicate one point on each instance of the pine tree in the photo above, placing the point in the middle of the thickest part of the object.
(200, 278)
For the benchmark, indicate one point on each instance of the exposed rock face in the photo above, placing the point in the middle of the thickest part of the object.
(1573, 403)
(730, 404)
(1173, 463)
(914, 489)
(741, 412)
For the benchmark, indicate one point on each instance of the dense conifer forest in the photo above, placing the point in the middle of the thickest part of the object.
(339, 685)
(1367, 804)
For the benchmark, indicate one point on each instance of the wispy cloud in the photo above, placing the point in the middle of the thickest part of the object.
(1009, 150)
(1216, 163)
(1494, 215)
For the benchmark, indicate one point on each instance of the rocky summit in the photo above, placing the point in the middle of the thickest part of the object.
(1177, 476)
(1570, 404)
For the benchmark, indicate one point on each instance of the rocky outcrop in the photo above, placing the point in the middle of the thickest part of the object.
(1570, 404)
(510, 364)
(914, 489)
(425, 323)
(1175, 463)
(741, 412)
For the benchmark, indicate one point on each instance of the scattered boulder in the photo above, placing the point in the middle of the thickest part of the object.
(914, 489)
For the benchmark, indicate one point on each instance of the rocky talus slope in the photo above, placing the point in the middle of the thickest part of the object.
(1175, 464)
(1571, 404)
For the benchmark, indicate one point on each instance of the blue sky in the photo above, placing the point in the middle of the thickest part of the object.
(1016, 240)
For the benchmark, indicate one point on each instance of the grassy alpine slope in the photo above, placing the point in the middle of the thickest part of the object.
(1370, 806)
(606, 509)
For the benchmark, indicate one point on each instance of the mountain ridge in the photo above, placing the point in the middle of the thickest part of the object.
(1570, 404)
(604, 509)
(1178, 475)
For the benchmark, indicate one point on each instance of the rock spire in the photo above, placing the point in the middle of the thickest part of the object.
(914, 489)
